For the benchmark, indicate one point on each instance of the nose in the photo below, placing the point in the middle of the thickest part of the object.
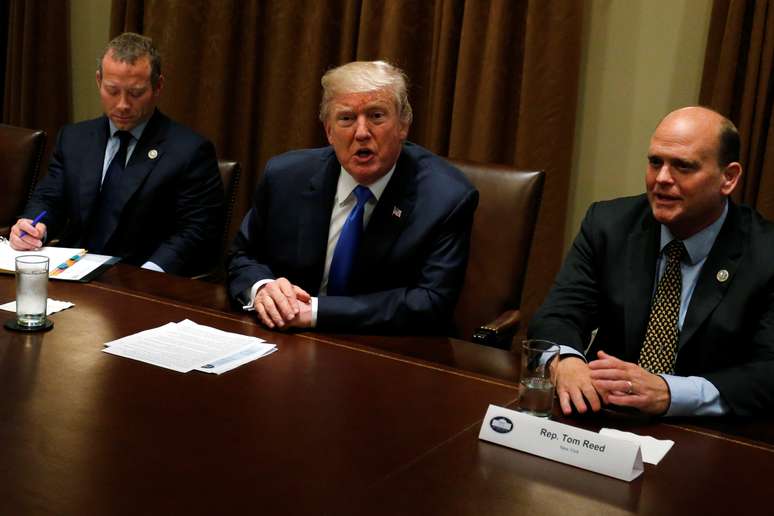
(123, 101)
(362, 132)
(664, 175)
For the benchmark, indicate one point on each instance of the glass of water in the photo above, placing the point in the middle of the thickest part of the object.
(31, 290)
(538, 377)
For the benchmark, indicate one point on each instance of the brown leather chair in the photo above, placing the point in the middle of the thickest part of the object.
(229, 174)
(21, 151)
(503, 226)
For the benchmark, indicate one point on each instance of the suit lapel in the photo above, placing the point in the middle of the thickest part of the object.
(315, 216)
(641, 254)
(142, 161)
(724, 255)
(93, 162)
(388, 219)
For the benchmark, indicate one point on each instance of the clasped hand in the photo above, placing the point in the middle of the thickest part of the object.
(611, 381)
(280, 304)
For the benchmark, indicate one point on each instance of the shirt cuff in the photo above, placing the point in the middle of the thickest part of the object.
(151, 267)
(314, 312)
(693, 396)
(564, 351)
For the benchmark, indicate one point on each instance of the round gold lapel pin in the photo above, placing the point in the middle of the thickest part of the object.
(722, 275)
(153, 154)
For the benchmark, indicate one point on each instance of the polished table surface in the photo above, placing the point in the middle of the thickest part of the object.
(329, 424)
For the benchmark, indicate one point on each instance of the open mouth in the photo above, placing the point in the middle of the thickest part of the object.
(364, 153)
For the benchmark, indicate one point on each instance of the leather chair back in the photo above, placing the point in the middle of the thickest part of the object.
(229, 174)
(21, 151)
(503, 227)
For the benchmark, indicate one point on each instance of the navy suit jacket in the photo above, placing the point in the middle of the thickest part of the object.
(412, 256)
(172, 204)
(607, 282)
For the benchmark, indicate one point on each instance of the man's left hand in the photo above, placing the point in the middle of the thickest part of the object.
(629, 385)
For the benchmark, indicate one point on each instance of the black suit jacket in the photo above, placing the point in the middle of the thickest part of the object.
(412, 257)
(607, 281)
(172, 204)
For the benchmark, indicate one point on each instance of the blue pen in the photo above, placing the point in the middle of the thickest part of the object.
(37, 219)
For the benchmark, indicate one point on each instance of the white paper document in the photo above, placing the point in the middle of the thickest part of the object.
(52, 306)
(185, 346)
(653, 450)
(64, 263)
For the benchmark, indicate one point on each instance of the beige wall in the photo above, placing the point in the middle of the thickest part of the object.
(89, 30)
(641, 59)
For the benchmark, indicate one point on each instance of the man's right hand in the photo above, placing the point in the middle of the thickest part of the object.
(574, 386)
(278, 302)
(32, 240)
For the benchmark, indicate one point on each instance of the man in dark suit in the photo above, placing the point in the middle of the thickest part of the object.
(679, 284)
(302, 257)
(132, 183)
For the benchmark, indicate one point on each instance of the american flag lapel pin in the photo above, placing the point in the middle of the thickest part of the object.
(396, 212)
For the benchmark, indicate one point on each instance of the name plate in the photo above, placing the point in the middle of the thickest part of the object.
(563, 443)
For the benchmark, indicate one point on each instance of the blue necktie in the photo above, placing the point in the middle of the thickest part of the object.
(346, 247)
(108, 196)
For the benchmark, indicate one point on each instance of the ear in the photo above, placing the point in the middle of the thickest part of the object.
(328, 131)
(731, 175)
(99, 79)
(159, 86)
(404, 129)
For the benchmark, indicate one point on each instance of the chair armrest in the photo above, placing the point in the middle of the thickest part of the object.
(499, 332)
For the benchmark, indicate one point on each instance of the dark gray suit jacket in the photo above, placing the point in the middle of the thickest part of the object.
(607, 281)
(412, 258)
(172, 204)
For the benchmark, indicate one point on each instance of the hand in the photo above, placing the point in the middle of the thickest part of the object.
(629, 385)
(279, 302)
(32, 240)
(574, 386)
(304, 317)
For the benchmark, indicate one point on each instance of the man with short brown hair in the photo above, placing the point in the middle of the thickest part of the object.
(132, 183)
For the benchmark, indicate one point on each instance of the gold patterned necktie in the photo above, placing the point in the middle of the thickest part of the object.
(660, 347)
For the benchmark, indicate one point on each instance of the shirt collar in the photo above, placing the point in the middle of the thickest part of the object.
(347, 184)
(136, 131)
(700, 244)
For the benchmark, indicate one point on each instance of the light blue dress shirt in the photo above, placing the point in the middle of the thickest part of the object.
(690, 395)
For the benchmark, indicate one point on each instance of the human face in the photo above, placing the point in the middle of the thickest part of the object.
(366, 133)
(686, 187)
(125, 90)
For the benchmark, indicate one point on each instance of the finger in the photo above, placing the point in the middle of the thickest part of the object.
(607, 374)
(271, 310)
(606, 363)
(564, 402)
(301, 294)
(626, 400)
(610, 386)
(577, 399)
(262, 316)
(289, 306)
(592, 397)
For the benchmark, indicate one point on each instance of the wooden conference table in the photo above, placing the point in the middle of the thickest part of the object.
(326, 425)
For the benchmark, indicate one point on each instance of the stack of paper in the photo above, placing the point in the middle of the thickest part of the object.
(185, 346)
